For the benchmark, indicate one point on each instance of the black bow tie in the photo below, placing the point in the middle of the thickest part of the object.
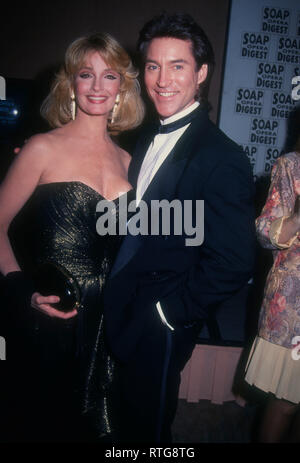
(167, 128)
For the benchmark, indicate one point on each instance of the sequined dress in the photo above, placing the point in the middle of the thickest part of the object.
(73, 371)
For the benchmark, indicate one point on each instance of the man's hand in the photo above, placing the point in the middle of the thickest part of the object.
(42, 304)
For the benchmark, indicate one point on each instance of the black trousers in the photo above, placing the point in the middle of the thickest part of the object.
(147, 386)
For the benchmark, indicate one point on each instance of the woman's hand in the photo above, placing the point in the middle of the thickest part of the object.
(42, 303)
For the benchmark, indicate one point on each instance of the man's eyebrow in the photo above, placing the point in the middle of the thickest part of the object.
(178, 61)
(151, 61)
(173, 61)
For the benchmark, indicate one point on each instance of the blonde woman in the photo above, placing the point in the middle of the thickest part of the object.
(62, 175)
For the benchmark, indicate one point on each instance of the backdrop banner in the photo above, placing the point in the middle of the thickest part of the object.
(261, 87)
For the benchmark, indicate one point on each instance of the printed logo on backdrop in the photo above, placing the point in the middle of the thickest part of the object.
(251, 151)
(271, 154)
(263, 131)
(282, 104)
(249, 101)
(270, 75)
(288, 50)
(255, 45)
(276, 20)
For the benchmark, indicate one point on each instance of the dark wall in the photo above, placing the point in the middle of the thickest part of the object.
(34, 36)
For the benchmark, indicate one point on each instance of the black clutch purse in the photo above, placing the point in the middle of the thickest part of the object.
(52, 279)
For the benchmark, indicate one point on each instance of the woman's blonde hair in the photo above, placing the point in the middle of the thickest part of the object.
(56, 108)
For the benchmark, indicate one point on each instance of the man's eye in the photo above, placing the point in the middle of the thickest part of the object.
(178, 66)
(151, 67)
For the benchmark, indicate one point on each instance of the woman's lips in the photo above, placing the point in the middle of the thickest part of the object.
(97, 99)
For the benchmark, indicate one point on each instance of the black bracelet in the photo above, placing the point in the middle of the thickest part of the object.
(18, 287)
(16, 274)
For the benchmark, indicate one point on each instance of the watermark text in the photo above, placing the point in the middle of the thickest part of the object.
(296, 349)
(2, 88)
(2, 348)
(159, 217)
(296, 89)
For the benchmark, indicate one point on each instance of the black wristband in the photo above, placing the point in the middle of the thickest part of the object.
(16, 274)
(18, 288)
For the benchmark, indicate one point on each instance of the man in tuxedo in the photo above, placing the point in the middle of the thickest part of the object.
(160, 289)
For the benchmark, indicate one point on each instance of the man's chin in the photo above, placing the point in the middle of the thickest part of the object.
(165, 112)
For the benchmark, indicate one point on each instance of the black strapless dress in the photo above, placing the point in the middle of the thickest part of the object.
(66, 353)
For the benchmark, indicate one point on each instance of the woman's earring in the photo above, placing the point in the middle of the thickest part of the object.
(113, 114)
(73, 106)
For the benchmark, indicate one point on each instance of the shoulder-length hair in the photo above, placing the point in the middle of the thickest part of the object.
(56, 108)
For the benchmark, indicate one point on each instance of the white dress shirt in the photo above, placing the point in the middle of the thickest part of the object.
(159, 149)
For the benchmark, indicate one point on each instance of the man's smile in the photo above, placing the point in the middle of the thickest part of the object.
(166, 94)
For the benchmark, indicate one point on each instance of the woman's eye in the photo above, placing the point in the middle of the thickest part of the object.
(84, 75)
(111, 76)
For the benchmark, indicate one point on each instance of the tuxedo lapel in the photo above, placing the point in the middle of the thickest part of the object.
(128, 249)
(131, 244)
(164, 183)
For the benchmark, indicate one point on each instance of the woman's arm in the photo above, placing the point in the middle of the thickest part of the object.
(290, 226)
(278, 224)
(18, 185)
(20, 182)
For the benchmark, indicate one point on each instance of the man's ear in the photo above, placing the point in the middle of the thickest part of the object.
(202, 73)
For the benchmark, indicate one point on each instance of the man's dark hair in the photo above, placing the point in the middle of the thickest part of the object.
(183, 27)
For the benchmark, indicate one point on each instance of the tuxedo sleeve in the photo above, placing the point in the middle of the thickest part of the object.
(225, 261)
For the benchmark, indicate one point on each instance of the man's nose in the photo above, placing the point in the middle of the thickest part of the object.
(164, 78)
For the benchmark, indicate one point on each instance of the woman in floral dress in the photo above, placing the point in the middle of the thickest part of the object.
(274, 362)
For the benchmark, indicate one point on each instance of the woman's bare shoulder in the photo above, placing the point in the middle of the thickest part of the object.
(40, 145)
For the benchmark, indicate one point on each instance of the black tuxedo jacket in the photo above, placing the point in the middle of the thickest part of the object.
(187, 280)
